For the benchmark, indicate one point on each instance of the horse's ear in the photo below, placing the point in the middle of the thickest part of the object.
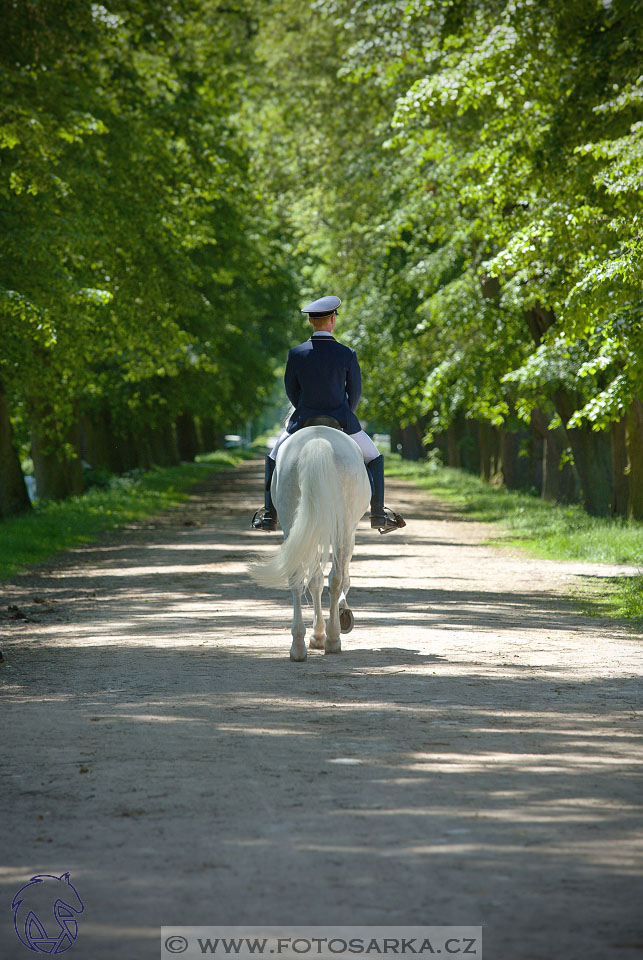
(65, 877)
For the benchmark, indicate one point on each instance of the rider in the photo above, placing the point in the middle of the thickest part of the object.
(323, 379)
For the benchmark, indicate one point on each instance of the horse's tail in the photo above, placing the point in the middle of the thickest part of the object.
(317, 524)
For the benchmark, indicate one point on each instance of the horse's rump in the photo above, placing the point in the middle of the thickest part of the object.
(320, 491)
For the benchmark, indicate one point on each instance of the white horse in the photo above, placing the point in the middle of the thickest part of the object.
(321, 490)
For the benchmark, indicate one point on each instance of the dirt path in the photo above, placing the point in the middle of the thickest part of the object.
(472, 757)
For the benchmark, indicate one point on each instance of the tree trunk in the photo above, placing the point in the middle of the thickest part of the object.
(129, 449)
(58, 474)
(557, 484)
(209, 437)
(138, 450)
(496, 455)
(453, 445)
(163, 446)
(186, 437)
(592, 458)
(169, 442)
(621, 495)
(634, 435)
(408, 442)
(513, 466)
(470, 446)
(591, 449)
(536, 450)
(486, 449)
(396, 439)
(14, 498)
(551, 469)
(97, 442)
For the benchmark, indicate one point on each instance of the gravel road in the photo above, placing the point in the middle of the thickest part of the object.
(472, 757)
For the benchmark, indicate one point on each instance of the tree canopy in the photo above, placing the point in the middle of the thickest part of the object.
(465, 174)
(469, 173)
(143, 274)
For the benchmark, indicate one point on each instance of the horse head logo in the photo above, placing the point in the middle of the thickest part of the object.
(36, 903)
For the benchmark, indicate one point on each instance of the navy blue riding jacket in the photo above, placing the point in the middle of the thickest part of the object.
(323, 377)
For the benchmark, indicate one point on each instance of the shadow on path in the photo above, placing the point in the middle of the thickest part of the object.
(164, 750)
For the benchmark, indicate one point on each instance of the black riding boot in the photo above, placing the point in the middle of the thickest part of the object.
(382, 519)
(266, 519)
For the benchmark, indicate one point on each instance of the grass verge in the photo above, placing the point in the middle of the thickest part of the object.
(542, 529)
(619, 597)
(58, 525)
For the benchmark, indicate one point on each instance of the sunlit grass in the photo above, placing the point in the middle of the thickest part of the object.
(59, 525)
(620, 597)
(540, 528)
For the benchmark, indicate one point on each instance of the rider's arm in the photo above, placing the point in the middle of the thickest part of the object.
(354, 383)
(291, 383)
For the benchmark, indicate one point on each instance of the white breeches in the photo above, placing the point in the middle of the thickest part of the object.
(362, 439)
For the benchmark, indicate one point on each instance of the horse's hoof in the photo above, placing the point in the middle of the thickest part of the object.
(335, 647)
(317, 643)
(298, 657)
(346, 620)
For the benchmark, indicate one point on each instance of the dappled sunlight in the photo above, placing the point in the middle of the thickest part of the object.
(386, 768)
(539, 764)
(551, 812)
(149, 718)
(469, 741)
(284, 731)
(168, 569)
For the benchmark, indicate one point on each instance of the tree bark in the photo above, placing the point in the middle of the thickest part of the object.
(550, 459)
(163, 446)
(556, 483)
(551, 470)
(536, 450)
(58, 475)
(408, 441)
(513, 466)
(592, 458)
(469, 445)
(186, 437)
(591, 449)
(485, 435)
(209, 437)
(98, 442)
(453, 444)
(619, 468)
(634, 436)
(14, 498)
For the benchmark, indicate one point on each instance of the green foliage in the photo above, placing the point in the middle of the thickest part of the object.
(452, 167)
(465, 174)
(142, 272)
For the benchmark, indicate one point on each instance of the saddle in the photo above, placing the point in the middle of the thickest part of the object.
(323, 421)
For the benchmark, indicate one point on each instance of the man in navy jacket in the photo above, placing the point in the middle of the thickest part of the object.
(323, 379)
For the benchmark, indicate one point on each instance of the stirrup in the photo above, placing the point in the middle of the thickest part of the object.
(262, 520)
(387, 521)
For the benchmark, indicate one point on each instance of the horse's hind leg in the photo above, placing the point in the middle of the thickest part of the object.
(333, 640)
(346, 618)
(298, 648)
(316, 585)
